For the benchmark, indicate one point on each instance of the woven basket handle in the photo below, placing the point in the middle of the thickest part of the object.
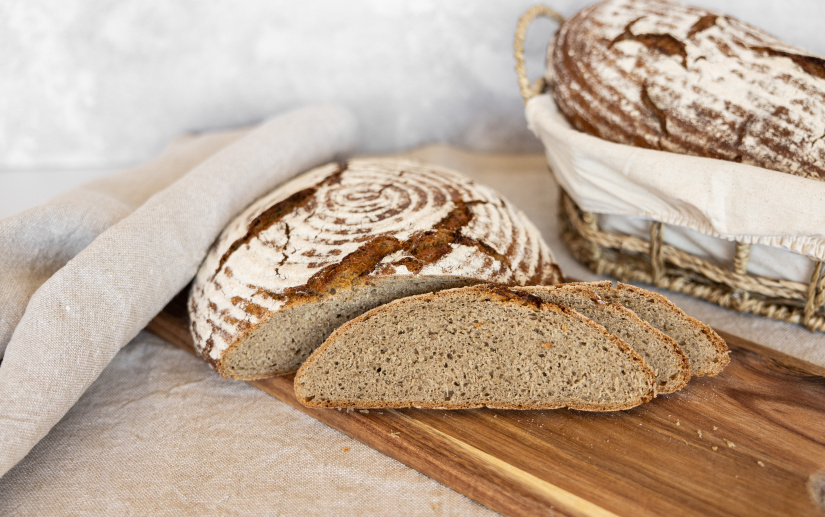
(529, 91)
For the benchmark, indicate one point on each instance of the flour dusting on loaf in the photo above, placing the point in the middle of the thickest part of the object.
(343, 238)
(662, 75)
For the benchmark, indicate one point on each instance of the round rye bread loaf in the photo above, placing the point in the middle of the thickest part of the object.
(344, 238)
(663, 75)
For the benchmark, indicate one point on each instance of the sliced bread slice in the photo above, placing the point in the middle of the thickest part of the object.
(477, 346)
(705, 349)
(659, 351)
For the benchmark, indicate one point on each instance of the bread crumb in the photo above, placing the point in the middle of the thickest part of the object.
(365, 411)
(345, 449)
(714, 447)
(715, 428)
(678, 423)
(730, 444)
(700, 433)
(350, 410)
(760, 463)
(547, 345)
(395, 434)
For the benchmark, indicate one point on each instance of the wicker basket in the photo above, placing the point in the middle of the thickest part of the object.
(653, 261)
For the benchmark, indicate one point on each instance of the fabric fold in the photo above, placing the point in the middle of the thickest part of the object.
(35, 243)
(728, 200)
(79, 318)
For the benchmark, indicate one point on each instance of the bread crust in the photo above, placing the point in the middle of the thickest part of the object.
(662, 75)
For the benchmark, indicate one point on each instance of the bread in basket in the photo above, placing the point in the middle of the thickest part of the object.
(690, 149)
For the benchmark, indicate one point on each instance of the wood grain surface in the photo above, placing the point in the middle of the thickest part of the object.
(750, 441)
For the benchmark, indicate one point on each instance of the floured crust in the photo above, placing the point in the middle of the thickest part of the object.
(345, 224)
(662, 75)
(501, 294)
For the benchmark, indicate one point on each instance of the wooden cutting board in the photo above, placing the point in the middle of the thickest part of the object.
(750, 441)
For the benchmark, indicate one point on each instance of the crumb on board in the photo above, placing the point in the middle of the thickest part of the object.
(730, 444)
(700, 433)
(678, 423)
(395, 434)
(350, 410)
(715, 428)
(714, 447)
(365, 411)
(760, 463)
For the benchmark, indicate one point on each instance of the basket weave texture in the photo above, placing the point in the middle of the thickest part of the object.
(653, 261)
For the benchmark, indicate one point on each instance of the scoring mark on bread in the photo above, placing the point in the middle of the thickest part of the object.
(812, 65)
(423, 248)
(656, 110)
(277, 212)
(702, 24)
(662, 43)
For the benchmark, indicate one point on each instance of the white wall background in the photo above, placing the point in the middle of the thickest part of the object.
(87, 84)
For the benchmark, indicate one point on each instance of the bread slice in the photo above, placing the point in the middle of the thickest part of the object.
(342, 239)
(659, 351)
(483, 345)
(705, 349)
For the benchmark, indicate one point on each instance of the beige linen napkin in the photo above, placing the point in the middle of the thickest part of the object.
(78, 319)
(35, 243)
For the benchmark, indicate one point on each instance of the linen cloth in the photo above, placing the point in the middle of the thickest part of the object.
(79, 318)
(161, 433)
(717, 198)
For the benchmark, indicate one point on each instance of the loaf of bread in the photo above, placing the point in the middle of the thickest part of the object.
(660, 352)
(342, 239)
(704, 348)
(662, 75)
(476, 346)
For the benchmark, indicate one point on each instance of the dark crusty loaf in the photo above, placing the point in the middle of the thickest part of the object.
(476, 346)
(342, 239)
(705, 349)
(659, 351)
(663, 75)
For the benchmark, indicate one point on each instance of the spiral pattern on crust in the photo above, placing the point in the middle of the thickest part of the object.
(370, 218)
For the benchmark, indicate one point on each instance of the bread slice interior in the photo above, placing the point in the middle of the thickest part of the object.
(284, 340)
(471, 347)
(704, 348)
(659, 351)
